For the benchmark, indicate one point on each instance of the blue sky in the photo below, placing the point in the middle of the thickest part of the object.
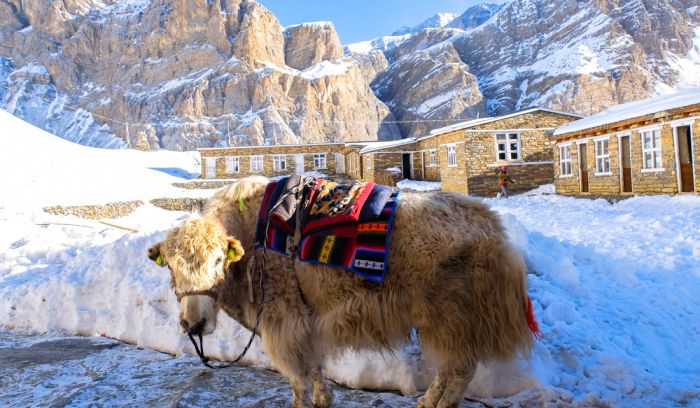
(358, 20)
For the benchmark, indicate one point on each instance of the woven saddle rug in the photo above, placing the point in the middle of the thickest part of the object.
(341, 225)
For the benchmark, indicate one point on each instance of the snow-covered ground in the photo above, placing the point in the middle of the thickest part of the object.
(613, 285)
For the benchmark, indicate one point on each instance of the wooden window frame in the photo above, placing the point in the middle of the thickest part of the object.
(565, 162)
(230, 165)
(254, 161)
(318, 159)
(507, 149)
(654, 150)
(451, 155)
(279, 162)
(602, 159)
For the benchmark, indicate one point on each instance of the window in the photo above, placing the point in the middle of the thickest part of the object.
(564, 161)
(451, 155)
(433, 157)
(651, 150)
(319, 161)
(233, 165)
(602, 156)
(508, 146)
(279, 163)
(256, 164)
(368, 161)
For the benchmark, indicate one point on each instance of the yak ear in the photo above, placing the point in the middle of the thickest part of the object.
(155, 255)
(235, 250)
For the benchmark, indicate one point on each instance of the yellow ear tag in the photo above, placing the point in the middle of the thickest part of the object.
(160, 260)
(231, 254)
(241, 205)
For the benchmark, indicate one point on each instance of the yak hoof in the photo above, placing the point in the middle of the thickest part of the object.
(302, 402)
(324, 398)
(424, 403)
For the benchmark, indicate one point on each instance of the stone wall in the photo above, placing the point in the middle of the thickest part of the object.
(454, 178)
(568, 185)
(656, 182)
(431, 172)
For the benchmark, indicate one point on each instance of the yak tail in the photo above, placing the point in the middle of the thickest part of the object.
(507, 326)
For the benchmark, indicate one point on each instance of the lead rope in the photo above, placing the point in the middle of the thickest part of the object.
(200, 348)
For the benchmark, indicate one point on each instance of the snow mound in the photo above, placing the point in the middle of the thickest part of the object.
(418, 185)
(614, 285)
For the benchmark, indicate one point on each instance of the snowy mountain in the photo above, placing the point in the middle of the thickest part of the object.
(182, 74)
(564, 54)
(437, 21)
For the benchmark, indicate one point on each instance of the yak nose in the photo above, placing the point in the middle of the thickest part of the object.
(197, 328)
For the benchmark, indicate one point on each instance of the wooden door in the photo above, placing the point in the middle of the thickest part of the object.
(626, 164)
(583, 166)
(299, 163)
(685, 158)
(407, 165)
(339, 163)
(211, 167)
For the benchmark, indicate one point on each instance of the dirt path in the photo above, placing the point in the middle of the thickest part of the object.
(53, 370)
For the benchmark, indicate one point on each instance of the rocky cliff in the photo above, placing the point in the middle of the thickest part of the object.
(181, 74)
(572, 55)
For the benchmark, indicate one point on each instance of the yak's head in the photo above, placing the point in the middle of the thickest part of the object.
(198, 254)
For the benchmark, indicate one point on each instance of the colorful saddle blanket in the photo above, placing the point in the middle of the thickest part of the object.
(344, 226)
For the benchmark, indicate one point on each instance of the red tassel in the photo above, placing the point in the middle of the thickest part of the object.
(531, 321)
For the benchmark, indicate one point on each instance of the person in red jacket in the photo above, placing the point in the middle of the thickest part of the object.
(503, 180)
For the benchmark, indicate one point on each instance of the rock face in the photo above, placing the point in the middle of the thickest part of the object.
(310, 43)
(430, 88)
(181, 74)
(578, 56)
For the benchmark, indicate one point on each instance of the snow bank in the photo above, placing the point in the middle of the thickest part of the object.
(417, 185)
(39, 169)
(615, 286)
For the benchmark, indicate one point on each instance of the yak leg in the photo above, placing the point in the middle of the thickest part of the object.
(434, 393)
(291, 365)
(457, 382)
(323, 393)
(286, 342)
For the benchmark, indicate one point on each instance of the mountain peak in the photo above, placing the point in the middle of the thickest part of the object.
(439, 20)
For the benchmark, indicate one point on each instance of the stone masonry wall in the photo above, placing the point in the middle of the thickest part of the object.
(454, 178)
(535, 165)
(655, 182)
(568, 185)
(431, 172)
(604, 184)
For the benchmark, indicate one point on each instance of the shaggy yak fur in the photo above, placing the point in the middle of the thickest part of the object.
(452, 275)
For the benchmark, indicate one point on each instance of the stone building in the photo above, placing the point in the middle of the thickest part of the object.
(465, 157)
(271, 161)
(645, 147)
